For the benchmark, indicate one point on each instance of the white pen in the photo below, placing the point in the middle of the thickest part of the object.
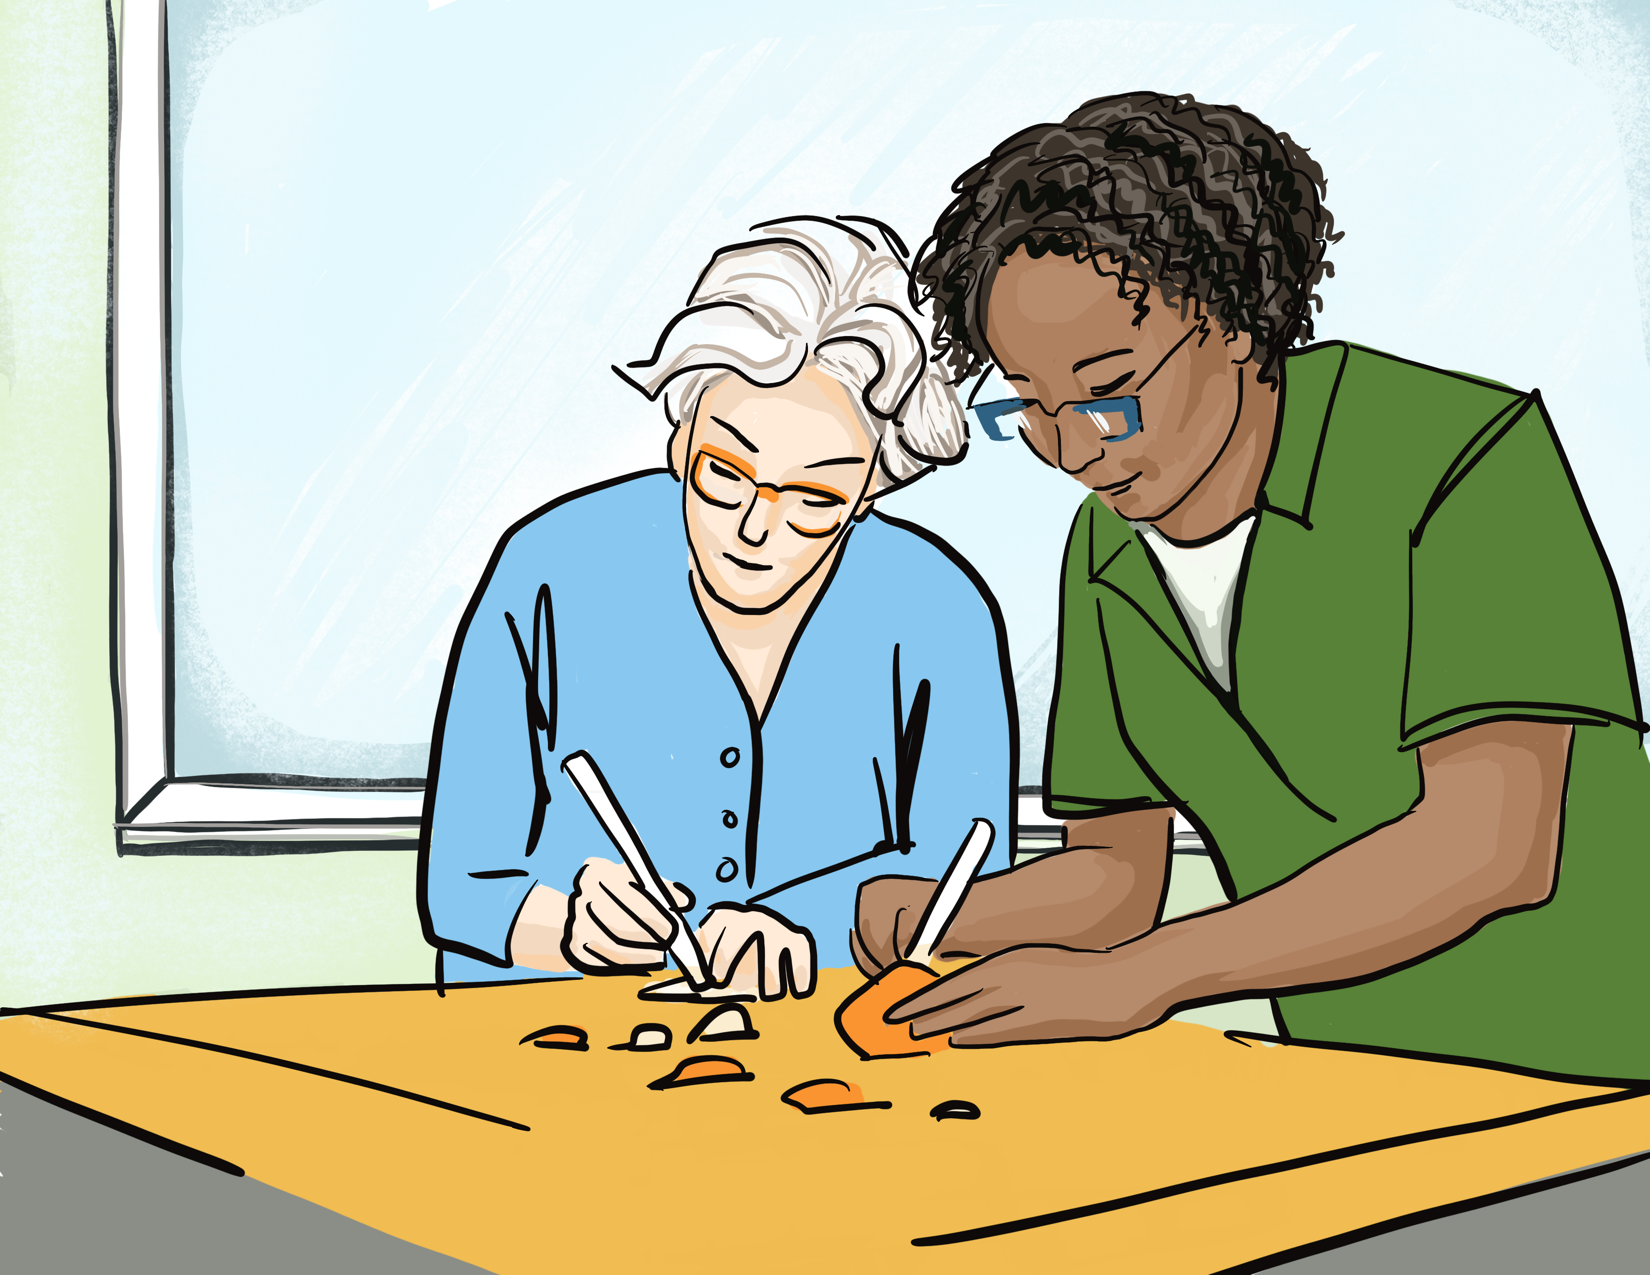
(581, 768)
(951, 891)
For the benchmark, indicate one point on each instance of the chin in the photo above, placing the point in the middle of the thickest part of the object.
(738, 589)
(1131, 502)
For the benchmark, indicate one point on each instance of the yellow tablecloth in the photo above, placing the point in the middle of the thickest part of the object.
(725, 1178)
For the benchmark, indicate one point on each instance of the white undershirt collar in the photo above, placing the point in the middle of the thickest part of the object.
(1202, 579)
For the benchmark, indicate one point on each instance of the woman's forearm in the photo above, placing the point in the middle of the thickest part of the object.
(1484, 841)
(536, 937)
(1104, 888)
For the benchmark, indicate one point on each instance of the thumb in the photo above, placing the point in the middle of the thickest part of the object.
(683, 895)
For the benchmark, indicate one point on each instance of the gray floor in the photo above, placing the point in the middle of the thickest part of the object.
(77, 1197)
(1598, 1226)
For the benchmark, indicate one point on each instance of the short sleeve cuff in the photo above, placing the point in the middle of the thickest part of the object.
(1442, 724)
(1069, 807)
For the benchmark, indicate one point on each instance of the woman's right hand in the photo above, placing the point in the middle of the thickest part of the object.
(613, 927)
(1105, 887)
(886, 916)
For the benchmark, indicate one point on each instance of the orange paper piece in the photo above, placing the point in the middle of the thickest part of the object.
(703, 1069)
(859, 1018)
(812, 1097)
(560, 1036)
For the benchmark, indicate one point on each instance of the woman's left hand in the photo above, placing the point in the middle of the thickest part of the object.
(754, 949)
(1032, 994)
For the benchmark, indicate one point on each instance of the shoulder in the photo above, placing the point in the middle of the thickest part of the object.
(1372, 390)
(1406, 421)
(627, 506)
(895, 546)
(926, 575)
(1373, 373)
(641, 497)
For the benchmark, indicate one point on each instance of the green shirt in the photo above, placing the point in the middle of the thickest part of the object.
(1422, 562)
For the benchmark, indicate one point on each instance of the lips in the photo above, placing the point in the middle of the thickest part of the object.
(748, 566)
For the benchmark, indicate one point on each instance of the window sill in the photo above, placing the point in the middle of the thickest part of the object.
(1038, 834)
(182, 817)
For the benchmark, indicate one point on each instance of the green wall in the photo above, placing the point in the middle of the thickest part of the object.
(76, 921)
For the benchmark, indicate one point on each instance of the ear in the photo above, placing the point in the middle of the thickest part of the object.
(880, 482)
(676, 451)
(1242, 346)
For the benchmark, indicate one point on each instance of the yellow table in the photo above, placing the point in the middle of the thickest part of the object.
(1176, 1150)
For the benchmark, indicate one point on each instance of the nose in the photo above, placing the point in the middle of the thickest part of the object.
(759, 518)
(1068, 440)
(1078, 442)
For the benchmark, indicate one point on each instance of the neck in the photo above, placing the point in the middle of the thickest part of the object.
(1228, 488)
(755, 645)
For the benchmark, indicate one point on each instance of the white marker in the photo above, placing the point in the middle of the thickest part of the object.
(952, 890)
(581, 768)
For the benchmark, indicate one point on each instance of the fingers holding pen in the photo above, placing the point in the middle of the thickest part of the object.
(612, 923)
(886, 915)
(629, 917)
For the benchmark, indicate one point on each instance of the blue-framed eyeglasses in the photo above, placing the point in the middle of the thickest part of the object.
(993, 416)
(1001, 418)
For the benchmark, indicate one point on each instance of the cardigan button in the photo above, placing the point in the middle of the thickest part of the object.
(730, 757)
(729, 819)
(726, 870)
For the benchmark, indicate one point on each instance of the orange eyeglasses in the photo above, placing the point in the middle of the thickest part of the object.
(725, 481)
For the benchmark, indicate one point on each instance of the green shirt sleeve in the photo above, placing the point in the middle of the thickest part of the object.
(1088, 767)
(1513, 612)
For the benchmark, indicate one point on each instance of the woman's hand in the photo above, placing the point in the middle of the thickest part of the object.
(1028, 995)
(612, 925)
(754, 949)
(1102, 889)
(887, 913)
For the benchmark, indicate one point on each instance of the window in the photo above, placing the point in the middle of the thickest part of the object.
(179, 792)
(373, 261)
(385, 304)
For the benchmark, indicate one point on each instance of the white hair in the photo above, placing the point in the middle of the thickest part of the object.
(813, 288)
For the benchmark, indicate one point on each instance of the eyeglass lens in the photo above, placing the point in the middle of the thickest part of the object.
(991, 416)
(809, 511)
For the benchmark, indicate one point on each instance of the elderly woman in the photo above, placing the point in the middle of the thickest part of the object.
(786, 691)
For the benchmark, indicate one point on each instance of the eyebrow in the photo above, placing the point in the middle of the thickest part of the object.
(1111, 387)
(1109, 354)
(749, 446)
(837, 460)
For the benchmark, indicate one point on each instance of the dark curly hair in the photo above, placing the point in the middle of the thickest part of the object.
(1204, 203)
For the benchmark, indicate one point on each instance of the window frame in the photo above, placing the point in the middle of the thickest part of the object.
(158, 811)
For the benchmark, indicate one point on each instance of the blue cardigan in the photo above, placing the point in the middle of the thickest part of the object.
(892, 727)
